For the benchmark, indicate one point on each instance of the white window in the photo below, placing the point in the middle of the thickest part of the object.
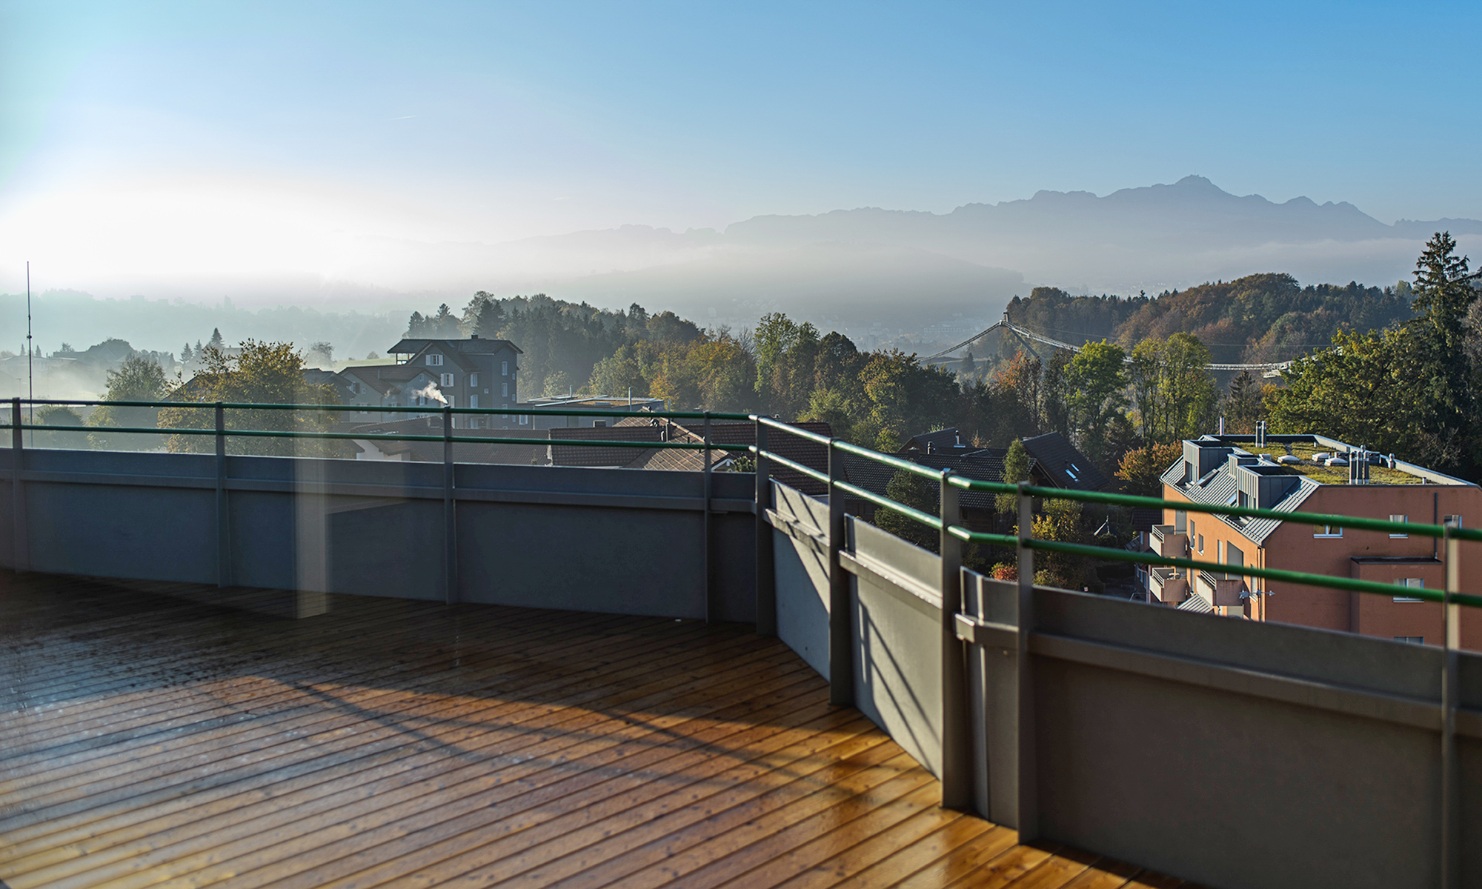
(1328, 531)
(473, 401)
(1413, 640)
(473, 380)
(504, 390)
(1402, 519)
(1415, 583)
(524, 419)
(504, 368)
(434, 360)
(1456, 519)
(1201, 543)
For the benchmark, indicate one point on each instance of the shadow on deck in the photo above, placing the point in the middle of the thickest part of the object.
(145, 740)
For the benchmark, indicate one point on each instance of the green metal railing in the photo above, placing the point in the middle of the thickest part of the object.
(951, 482)
(449, 432)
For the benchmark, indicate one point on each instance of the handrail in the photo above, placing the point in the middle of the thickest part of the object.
(919, 516)
(429, 411)
(963, 534)
(390, 409)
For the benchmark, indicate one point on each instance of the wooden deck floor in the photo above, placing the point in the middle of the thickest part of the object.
(149, 742)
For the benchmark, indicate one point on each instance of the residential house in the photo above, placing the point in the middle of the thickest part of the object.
(1310, 473)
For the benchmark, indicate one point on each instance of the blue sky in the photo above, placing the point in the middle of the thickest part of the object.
(246, 129)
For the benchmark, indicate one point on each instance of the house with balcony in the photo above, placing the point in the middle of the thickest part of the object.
(1316, 474)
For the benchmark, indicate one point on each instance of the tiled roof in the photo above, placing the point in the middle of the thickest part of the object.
(591, 455)
(463, 452)
(1063, 464)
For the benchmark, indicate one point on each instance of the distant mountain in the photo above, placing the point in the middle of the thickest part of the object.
(909, 267)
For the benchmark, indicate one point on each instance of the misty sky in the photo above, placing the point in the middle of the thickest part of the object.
(150, 140)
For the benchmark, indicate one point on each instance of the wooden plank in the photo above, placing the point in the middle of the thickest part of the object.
(525, 716)
(625, 800)
(505, 714)
(364, 822)
(896, 854)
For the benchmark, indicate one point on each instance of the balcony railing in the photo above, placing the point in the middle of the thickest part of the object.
(1042, 709)
(1166, 540)
(1168, 585)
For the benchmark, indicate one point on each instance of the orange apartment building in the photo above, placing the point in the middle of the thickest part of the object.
(1290, 473)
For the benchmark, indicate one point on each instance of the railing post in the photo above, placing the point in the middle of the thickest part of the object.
(840, 609)
(1450, 698)
(20, 542)
(450, 529)
(705, 527)
(957, 764)
(223, 506)
(1027, 814)
(766, 580)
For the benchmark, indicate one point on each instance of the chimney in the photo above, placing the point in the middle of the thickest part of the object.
(1260, 433)
(931, 447)
(473, 336)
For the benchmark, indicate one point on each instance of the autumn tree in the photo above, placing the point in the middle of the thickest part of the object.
(263, 373)
(1141, 468)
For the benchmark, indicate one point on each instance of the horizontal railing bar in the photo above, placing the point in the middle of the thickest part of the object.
(381, 436)
(886, 459)
(967, 536)
(431, 410)
(924, 518)
(1281, 574)
(806, 434)
(809, 471)
(1301, 518)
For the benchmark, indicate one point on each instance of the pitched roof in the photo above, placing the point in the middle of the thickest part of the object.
(942, 441)
(476, 345)
(1063, 465)
(463, 452)
(592, 455)
(1217, 486)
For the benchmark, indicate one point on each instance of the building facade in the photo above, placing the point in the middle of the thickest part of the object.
(473, 372)
(1315, 474)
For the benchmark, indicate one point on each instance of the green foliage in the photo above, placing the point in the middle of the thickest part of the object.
(139, 378)
(1060, 520)
(1096, 384)
(1173, 395)
(59, 416)
(1015, 470)
(1243, 404)
(263, 373)
(917, 492)
(1409, 389)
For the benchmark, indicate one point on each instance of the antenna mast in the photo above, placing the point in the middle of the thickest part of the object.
(30, 364)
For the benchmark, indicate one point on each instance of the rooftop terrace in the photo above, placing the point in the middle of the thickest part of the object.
(149, 740)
